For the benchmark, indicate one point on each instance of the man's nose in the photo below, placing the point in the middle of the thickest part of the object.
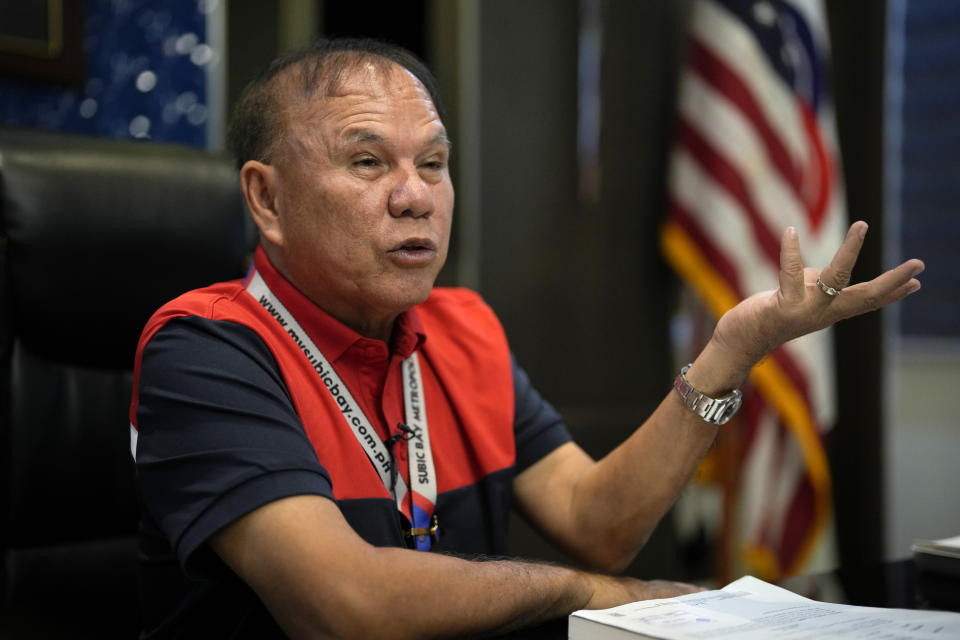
(411, 197)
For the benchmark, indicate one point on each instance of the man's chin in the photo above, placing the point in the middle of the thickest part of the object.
(415, 297)
(403, 294)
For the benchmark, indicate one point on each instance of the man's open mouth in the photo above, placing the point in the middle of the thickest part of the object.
(415, 245)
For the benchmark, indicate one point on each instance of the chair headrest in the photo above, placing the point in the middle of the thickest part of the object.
(98, 233)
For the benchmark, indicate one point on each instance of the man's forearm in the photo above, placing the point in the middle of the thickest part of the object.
(433, 596)
(628, 492)
(442, 596)
(319, 579)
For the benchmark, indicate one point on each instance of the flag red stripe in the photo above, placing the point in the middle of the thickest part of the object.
(800, 514)
(752, 409)
(820, 169)
(727, 176)
(715, 72)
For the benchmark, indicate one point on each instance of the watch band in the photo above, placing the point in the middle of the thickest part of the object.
(713, 410)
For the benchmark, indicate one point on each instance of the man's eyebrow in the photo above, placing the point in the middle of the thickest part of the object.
(364, 135)
(441, 138)
(360, 136)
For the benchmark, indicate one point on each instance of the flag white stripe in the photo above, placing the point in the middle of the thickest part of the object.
(810, 353)
(759, 465)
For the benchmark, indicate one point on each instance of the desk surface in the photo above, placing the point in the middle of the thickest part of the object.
(895, 584)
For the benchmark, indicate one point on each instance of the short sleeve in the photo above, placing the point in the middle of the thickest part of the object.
(218, 435)
(538, 428)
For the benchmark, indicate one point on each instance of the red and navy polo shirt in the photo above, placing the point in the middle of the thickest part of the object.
(228, 414)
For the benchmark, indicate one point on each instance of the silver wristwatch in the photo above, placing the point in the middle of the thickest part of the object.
(713, 410)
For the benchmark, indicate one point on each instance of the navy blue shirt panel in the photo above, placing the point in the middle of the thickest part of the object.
(537, 426)
(218, 434)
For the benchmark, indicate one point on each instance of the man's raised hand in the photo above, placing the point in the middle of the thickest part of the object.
(764, 321)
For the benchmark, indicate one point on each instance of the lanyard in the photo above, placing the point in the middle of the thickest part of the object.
(419, 509)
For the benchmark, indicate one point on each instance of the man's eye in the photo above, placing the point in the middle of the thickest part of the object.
(433, 165)
(366, 162)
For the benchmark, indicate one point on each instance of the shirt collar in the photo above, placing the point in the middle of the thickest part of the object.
(331, 336)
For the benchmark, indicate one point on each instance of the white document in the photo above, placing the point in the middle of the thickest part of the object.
(948, 547)
(751, 609)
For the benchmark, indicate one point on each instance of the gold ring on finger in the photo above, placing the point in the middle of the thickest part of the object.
(827, 289)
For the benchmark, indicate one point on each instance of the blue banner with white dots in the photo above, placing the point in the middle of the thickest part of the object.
(145, 75)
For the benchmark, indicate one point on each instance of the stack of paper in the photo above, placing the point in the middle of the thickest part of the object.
(751, 609)
(942, 556)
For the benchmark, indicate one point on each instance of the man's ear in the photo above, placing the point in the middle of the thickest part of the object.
(259, 183)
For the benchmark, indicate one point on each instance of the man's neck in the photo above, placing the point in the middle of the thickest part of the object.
(376, 330)
(369, 325)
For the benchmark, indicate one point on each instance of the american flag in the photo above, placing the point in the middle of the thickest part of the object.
(755, 151)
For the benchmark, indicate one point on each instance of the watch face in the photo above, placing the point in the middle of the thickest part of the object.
(714, 411)
(732, 405)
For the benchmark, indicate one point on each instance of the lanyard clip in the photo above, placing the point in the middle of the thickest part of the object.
(404, 434)
(421, 533)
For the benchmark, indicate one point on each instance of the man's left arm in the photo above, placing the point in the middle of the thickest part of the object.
(603, 512)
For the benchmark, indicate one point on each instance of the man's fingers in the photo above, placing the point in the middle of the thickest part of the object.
(901, 292)
(837, 273)
(791, 267)
(888, 287)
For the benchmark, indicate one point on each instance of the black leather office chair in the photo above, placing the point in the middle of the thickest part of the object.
(96, 234)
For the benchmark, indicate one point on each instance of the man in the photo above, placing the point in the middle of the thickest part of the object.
(305, 435)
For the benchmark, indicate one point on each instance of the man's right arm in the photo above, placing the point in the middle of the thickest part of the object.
(319, 579)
